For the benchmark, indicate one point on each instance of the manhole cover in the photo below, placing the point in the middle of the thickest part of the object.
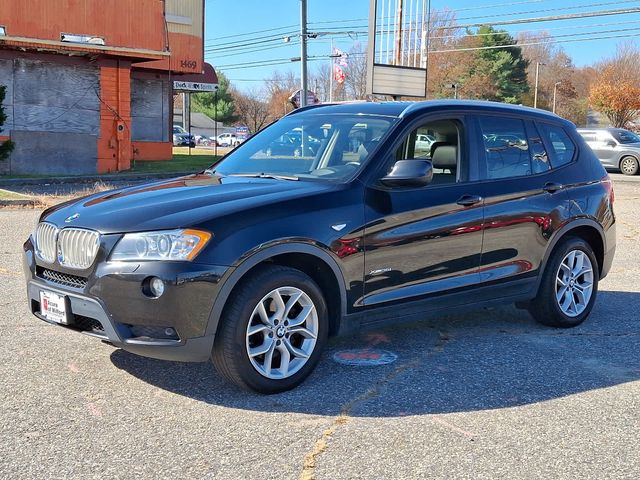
(365, 357)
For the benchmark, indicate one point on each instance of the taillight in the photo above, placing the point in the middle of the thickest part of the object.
(608, 186)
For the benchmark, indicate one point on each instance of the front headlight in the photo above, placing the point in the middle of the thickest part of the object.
(172, 245)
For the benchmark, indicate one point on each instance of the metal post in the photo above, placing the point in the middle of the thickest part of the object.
(215, 120)
(331, 67)
(189, 121)
(303, 52)
(398, 52)
(535, 90)
(427, 46)
(555, 89)
(184, 110)
(455, 91)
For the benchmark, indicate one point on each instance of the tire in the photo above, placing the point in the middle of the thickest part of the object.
(275, 336)
(553, 308)
(629, 165)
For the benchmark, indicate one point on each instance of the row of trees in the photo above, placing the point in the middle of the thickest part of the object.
(483, 63)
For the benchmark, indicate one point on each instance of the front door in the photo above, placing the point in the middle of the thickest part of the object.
(424, 240)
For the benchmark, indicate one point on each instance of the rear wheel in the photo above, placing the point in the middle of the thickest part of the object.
(569, 285)
(272, 331)
(629, 165)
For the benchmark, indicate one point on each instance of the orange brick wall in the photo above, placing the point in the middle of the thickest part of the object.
(152, 150)
(114, 143)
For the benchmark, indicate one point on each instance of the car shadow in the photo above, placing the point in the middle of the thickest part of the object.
(487, 359)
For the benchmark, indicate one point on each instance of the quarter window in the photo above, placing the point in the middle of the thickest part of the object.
(561, 145)
(507, 149)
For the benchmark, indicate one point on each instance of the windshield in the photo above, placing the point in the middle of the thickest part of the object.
(178, 129)
(313, 146)
(625, 136)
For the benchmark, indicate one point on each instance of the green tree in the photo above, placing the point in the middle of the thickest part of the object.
(219, 106)
(499, 61)
(7, 146)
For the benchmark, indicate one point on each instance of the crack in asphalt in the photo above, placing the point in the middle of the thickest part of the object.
(321, 445)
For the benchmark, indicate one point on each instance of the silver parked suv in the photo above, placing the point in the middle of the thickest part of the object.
(615, 147)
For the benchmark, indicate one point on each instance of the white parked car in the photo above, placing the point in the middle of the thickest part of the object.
(228, 140)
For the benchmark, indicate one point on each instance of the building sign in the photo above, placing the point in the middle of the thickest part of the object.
(194, 86)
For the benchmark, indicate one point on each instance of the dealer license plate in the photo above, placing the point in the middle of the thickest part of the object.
(52, 307)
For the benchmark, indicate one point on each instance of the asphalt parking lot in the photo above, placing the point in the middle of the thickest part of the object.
(486, 394)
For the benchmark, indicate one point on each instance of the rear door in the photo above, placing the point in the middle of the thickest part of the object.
(524, 196)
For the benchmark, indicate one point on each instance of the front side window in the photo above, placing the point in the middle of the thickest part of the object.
(507, 150)
(309, 146)
(439, 142)
(561, 145)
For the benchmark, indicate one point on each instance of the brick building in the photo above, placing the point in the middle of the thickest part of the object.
(89, 83)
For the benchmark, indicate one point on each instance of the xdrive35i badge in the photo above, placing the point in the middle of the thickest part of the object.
(71, 218)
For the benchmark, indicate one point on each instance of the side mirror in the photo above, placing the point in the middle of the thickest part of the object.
(409, 173)
(611, 143)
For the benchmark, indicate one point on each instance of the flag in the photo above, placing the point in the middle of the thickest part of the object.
(340, 57)
(338, 74)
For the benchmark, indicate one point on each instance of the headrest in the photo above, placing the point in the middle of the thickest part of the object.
(445, 156)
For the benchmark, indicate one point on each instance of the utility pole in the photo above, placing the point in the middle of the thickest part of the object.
(555, 89)
(303, 52)
(331, 67)
(398, 30)
(535, 90)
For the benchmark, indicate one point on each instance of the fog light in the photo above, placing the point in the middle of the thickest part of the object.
(169, 332)
(156, 285)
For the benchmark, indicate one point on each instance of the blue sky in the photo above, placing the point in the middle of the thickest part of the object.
(279, 17)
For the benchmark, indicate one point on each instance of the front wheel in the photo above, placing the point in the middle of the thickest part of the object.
(569, 285)
(629, 166)
(272, 330)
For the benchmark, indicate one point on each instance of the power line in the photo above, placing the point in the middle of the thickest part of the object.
(295, 25)
(526, 44)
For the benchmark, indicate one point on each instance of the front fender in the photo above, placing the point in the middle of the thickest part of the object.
(262, 253)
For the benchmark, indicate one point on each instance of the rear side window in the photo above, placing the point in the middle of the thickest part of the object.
(507, 149)
(562, 148)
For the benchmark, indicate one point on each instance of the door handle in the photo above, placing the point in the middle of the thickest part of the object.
(552, 187)
(468, 200)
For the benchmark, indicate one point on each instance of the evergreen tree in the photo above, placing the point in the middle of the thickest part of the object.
(222, 110)
(506, 66)
(7, 146)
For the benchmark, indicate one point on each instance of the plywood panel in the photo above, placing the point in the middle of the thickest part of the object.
(149, 110)
(6, 79)
(55, 97)
(53, 153)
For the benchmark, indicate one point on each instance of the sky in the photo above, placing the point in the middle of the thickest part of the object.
(245, 31)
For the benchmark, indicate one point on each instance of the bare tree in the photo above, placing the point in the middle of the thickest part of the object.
(356, 80)
(252, 110)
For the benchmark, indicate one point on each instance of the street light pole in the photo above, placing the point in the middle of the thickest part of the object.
(555, 89)
(303, 52)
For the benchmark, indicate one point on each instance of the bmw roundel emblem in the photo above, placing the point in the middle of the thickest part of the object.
(71, 218)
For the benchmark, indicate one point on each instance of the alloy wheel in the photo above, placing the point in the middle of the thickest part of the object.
(574, 283)
(282, 332)
(628, 165)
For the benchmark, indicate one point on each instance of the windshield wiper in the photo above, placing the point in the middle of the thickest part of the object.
(264, 175)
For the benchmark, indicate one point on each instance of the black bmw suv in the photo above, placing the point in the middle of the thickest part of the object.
(256, 261)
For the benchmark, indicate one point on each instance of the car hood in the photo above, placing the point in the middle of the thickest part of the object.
(177, 203)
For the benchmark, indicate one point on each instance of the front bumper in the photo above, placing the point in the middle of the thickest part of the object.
(112, 306)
